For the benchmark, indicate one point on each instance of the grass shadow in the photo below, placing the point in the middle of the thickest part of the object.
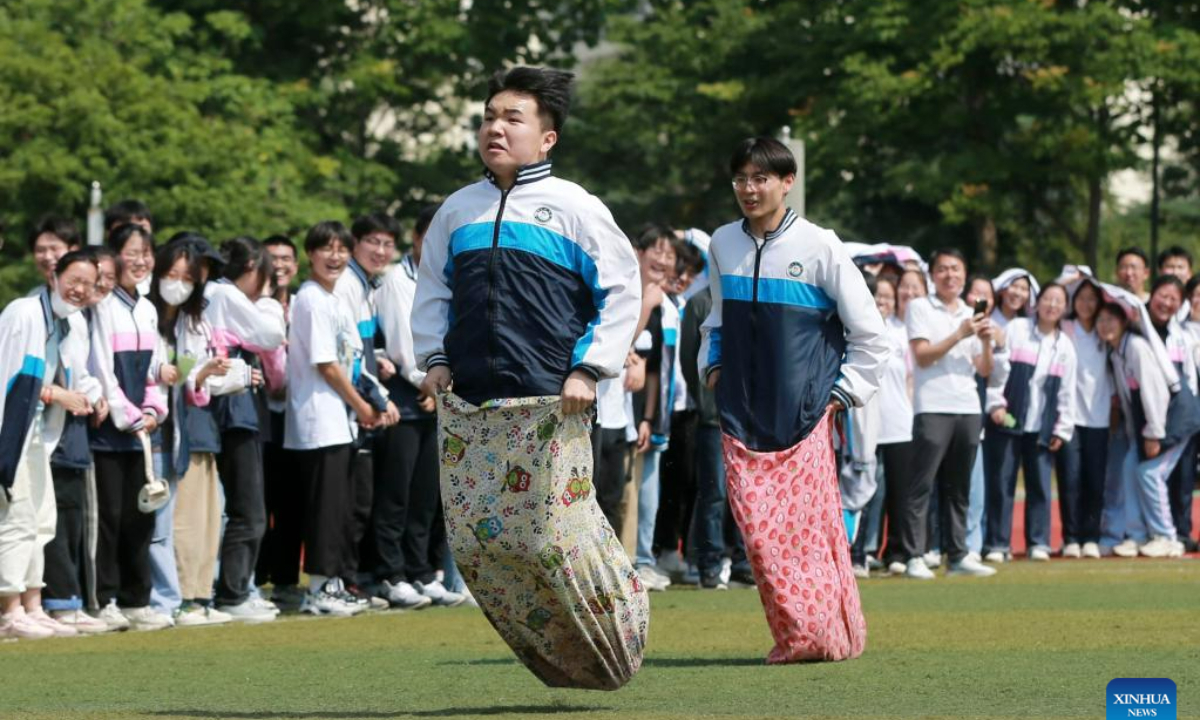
(465, 712)
(689, 662)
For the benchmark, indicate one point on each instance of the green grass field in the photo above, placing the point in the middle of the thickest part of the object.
(1035, 641)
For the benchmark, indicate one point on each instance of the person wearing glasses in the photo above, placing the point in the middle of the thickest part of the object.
(793, 337)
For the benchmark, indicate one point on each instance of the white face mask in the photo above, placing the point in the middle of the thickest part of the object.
(61, 307)
(175, 292)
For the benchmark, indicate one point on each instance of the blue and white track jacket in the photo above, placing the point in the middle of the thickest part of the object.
(792, 326)
(518, 288)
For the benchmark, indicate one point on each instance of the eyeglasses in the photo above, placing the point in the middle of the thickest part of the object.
(75, 286)
(379, 242)
(132, 256)
(756, 182)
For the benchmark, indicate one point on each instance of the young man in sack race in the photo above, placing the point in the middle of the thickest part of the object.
(527, 294)
(793, 337)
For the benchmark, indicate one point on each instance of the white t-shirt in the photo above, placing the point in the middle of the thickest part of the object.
(1093, 382)
(895, 406)
(610, 403)
(948, 385)
(323, 330)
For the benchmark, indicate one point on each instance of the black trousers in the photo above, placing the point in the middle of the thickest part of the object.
(358, 528)
(324, 474)
(240, 466)
(897, 473)
(279, 557)
(124, 533)
(407, 503)
(677, 485)
(612, 463)
(944, 447)
(64, 554)
(1081, 467)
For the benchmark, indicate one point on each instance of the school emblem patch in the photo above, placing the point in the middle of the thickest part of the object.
(795, 270)
(543, 215)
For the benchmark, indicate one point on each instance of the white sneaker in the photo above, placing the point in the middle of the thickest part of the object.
(404, 596)
(916, 569)
(860, 571)
(896, 568)
(263, 604)
(974, 555)
(874, 563)
(997, 557)
(726, 570)
(1039, 554)
(19, 625)
(144, 618)
(1161, 547)
(82, 622)
(651, 580)
(113, 617)
(1072, 550)
(250, 611)
(59, 629)
(197, 615)
(1126, 549)
(933, 559)
(323, 602)
(1091, 550)
(970, 568)
(439, 595)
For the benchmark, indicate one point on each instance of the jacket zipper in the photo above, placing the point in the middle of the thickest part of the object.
(491, 304)
(758, 251)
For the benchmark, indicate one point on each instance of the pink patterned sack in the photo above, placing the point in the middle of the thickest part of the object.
(789, 510)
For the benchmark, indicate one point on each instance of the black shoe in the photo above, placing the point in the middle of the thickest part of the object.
(1190, 545)
(742, 578)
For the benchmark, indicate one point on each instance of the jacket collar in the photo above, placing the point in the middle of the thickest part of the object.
(410, 266)
(366, 280)
(129, 300)
(526, 174)
(789, 219)
(52, 321)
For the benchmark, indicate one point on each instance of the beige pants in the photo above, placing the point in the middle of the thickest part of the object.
(198, 527)
(629, 509)
(28, 522)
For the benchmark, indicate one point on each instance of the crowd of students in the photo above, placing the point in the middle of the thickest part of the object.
(180, 429)
(292, 434)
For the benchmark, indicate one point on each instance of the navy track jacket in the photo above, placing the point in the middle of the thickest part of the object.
(518, 288)
(792, 326)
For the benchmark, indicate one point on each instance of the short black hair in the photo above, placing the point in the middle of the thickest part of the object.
(281, 240)
(1115, 309)
(324, 233)
(871, 281)
(549, 87)
(952, 252)
(376, 222)
(766, 154)
(1173, 252)
(688, 258)
(75, 256)
(1162, 280)
(120, 235)
(649, 235)
(126, 211)
(1190, 288)
(1133, 250)
(425, 217)
(63, 228)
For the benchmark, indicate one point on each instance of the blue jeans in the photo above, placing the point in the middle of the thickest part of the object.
(1148, 507)
(976, 519)
(647, 507)
(708, 517)
(1005, 453)
(164, 590)
(1112, 518)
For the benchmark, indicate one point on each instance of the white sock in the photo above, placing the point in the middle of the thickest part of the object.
(316, 582)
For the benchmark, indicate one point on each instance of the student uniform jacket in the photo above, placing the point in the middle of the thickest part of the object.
(72, 449)
(125, 360)
(394, 303)
(1141, 388)
(356, 290)
(517, 288)
(792, 326)
(253, 332)
(24, 327)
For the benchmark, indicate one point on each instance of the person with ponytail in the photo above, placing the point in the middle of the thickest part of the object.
(1037, 418)
(247, 326)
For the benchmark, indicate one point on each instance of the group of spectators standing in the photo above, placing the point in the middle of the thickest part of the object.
(180, 429)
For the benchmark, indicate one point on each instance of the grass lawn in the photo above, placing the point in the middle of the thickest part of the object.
(1034, 641)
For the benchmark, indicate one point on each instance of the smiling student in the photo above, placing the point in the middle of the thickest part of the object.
(793, 337)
